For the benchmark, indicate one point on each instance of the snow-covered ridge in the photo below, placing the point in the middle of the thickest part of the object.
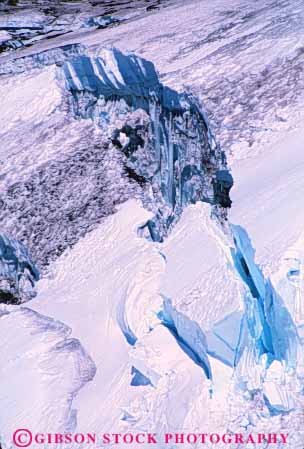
(46, 367)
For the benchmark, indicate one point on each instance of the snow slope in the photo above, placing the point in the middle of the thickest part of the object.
(82, 292)
(35, 391)
(203, 338)
(121, 312)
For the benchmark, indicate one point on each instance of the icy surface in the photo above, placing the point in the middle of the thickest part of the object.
(101, 130)
(267, 198)
(268, 320)
(32, 21)
(69, 115)
(139, 378)
(62, 178)
(87, 284)
(165, 135)
(188, 335)
(242, 63)
(224, 338)
(18, 272)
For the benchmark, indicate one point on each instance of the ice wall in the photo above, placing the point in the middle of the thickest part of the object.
(188, 335)
(165, 135)
(269, 322)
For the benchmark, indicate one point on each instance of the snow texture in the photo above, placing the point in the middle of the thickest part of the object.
(100, 149)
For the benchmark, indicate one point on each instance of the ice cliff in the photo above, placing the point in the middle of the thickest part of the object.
(164, 135)
(130, 137)
(188, 335)
(95, 129)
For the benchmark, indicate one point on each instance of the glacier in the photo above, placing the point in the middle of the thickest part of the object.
(101, 150)
(134, 143)
(39, 350)
(139, 378)
(226, 338)
(29, 23)
(265, 311)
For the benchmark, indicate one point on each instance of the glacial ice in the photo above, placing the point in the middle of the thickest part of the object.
(100, 21)
(90, 282)
(223, 339)
(42, 22)
(275, 408)
(43, 369)
(123, 323)
(63, 177)
(167, 140)
(30, 26)
(25, 28)
(188, 335)
(4, 36)
(289, 283)
(32, 21)
(139, 379)
(276, 395)
(268, 316)
(18, 273)
(140, 139)
(269, 322)
(41, 59)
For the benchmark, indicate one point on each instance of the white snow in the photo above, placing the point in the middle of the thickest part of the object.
(197, 254)
(35, 391)
(28, 99)
(114, 281)
(268, 198)
(34, 125)
(110, 269)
